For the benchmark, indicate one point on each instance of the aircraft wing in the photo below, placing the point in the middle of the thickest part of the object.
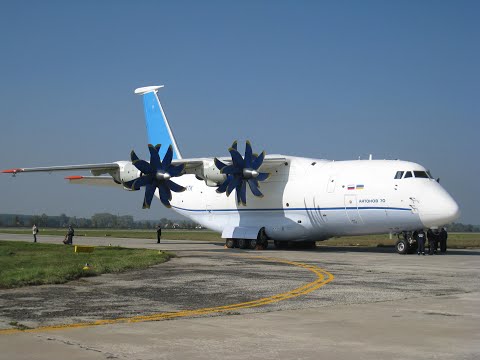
(116, 170)
(92, 167)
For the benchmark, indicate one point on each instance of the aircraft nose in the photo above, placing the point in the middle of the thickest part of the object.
(440, 210)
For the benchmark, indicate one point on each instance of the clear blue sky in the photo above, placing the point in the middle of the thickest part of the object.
(328, 79)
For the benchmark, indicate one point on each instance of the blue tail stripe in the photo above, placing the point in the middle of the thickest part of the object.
(158, 130)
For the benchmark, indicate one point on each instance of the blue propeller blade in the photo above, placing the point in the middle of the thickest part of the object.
(165, 192)
(222, 188)
(149, 191)
(230, 170)
(154, 158)
(243, 193)
(175, 170)
(258, 161)
(167, 159)
(219, 164)
(248, 155)
(233, 184)
(253, 183)
(165, 202)
(133, 156)
(143, 166)
(175, 187)
(263, 176)
(237, 159)
(141, 181)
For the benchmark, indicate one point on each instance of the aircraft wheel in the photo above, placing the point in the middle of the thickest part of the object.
(401, 246)
(243, 243)
(230, 243)
(253, 244)
(280, 244)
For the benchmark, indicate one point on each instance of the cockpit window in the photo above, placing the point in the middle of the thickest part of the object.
(429, 174)
(420, 174)
(408, 174)
(399, 174)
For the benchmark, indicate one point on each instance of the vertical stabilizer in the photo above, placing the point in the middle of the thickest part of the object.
(158, 128)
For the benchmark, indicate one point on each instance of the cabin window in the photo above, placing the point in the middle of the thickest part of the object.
(420, 174)
(399, 174)
(408, 174)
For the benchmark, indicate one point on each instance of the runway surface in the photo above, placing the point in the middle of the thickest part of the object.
(369, 303)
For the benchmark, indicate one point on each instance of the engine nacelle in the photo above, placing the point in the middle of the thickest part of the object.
(126, 172)
(210, 174)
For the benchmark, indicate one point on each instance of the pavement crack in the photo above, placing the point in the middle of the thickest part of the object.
(108, 355)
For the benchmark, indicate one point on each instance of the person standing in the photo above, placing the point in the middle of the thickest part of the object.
(432, 241)
(159, 233)
(421, 242)
(70, 235)
(34, 232)
(443, 240)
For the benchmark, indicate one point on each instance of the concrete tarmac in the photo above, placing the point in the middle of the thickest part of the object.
(379, 305)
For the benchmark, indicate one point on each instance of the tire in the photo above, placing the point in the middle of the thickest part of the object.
(243, 243)
(230, 243)
(401, 246)
(280, 244)
(253, 244)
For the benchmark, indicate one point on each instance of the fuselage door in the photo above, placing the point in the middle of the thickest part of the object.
(351, 207)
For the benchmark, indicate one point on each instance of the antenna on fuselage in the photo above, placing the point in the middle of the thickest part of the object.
(370, 157)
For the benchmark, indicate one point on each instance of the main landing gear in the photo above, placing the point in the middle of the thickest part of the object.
(253, 244)
(260, 243)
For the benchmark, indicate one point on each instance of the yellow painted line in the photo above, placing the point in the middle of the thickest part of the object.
(323, 278)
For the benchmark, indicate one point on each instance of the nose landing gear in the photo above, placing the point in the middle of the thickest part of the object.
(406, 244)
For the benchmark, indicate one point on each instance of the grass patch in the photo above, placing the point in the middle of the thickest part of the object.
(23, 263)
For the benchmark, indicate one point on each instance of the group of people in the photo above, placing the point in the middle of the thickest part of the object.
(68, 236)
(435, 238)
(71, 233)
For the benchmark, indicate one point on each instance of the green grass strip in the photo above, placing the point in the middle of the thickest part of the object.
(23, 263)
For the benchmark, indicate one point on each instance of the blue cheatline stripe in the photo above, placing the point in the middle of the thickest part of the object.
(157, 129)
(293, 209)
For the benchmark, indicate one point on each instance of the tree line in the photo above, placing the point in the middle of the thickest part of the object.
(106, 220)
(101, 220)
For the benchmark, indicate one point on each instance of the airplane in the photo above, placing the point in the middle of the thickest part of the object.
(290, 199)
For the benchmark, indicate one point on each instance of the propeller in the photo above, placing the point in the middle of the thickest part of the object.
(157, 174)
(243, 170)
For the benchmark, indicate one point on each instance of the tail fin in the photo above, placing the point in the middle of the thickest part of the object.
(158, 129)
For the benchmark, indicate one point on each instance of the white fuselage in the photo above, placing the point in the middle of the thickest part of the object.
(312, 199)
